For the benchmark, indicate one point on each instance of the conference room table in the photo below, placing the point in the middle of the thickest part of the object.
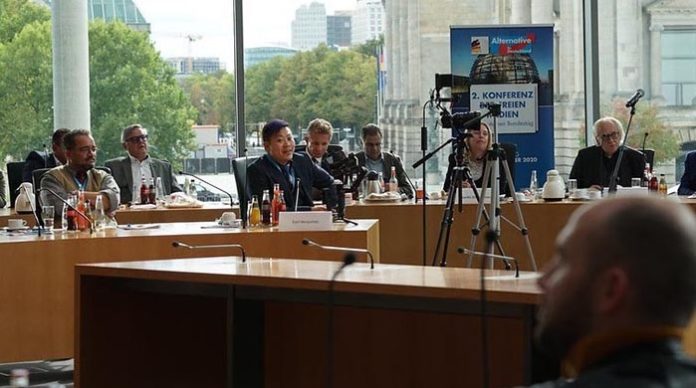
(218, 322)
(37, 273)
(401, 227)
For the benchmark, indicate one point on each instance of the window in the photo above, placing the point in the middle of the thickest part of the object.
(679, 67)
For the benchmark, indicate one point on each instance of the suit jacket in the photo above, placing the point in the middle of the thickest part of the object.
(389, 160)
(263, 173)
(687, 185)
(592, 168)
(36, 160)
(123, 174)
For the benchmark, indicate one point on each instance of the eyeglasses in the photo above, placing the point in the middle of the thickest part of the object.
(137, 139)
(612, 136)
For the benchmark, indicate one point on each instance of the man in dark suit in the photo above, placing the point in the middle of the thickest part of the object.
(688, 180)
(594, 165)
(41, 159)
(282, 165)
(318, 138)
(374, 159)
(130, 171)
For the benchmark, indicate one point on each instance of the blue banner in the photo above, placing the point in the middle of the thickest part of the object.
(513, 66)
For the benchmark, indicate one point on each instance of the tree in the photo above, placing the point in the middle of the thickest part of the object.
(647, 120)
(213, 96)
(130, 83)
(370, 47)
(16, 14)
(260, 83)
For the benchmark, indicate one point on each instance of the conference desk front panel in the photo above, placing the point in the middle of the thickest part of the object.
(220, 323)
(37, 273)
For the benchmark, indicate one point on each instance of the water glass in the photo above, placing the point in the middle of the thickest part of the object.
(47, 214)
(572, 186)
(635, 182)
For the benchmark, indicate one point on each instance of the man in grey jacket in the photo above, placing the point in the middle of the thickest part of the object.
(130, 171)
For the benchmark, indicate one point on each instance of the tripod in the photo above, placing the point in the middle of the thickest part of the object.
(494, 157)
(459, 174)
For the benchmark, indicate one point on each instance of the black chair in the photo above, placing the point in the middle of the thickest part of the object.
(649, 155)
(239, 166)
(14, 179)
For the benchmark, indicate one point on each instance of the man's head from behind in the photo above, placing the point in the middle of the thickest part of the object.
(622, 263)
(319, 134)
(80, 149)
(57, 144)
(372, 141)
(134, 140)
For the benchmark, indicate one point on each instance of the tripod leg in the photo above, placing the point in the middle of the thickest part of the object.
(498, 245)
(523, 228)
(447, 217)
(479, 212)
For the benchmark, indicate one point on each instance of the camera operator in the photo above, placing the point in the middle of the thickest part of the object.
(478, 142)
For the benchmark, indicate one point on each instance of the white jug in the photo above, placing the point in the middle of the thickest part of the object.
(26, 201)
(554, 188)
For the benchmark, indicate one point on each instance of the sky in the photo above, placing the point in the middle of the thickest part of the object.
(265, 22)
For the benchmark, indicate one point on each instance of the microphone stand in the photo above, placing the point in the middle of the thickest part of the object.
(178, 244)
(615, 174)
(341, 249)
(66, 203)
(244, 204)
(209, 184)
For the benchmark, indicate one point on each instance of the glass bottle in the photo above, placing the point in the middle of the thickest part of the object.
(282, 206)
(662, 188)
(192, 190)
(71, 215)
(152, 197)
(81, 207)
(254, 212)
(159, 190)
(646, 176)
(275, 205)
(533, 184)
(99, 216)
(144, 192)
(653, 185)
(393, 182)
(266, 209)
(381, 182)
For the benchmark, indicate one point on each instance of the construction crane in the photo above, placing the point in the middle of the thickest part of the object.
(191, 38)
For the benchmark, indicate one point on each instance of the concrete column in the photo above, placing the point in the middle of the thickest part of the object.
(542, 11)
(70, 64)
(656, 61)
(521, 12)
(628, 45)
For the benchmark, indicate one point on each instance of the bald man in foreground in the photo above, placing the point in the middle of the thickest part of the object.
(618, 294)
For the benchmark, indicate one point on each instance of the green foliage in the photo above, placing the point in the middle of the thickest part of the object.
(16, 14)
(646, 120)
(337, 86)
(26, 91)
(213, 96)
(370, 47)
(130, 83)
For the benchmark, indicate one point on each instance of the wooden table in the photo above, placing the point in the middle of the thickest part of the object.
(220, 323)
(37, 274)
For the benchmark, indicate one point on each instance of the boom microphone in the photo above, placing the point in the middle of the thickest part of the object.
(209, 184)
(179, 244)
(349, 251)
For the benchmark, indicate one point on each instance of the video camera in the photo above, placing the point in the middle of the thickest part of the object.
(344, 170)
(460, 121)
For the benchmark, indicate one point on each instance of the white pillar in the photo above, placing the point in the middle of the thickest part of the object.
(521, 12)
(656, 61)
(542, 11)
(70, 64)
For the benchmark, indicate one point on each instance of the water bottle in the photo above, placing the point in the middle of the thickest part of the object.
(534, 185)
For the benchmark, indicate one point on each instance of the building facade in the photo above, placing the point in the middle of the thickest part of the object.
(188, 65)
(114, 10)
(255, 55)
(308, 29)
(368, 21)
(338, 29)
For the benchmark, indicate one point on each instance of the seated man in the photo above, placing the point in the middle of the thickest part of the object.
(319, 133)
(282, 165)
(615, 304)
(79, 174)
(130, 170)
(594, 165)
(41, 159)
(374, 159)
(687, 185)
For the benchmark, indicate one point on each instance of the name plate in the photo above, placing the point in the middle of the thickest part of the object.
(289, 221)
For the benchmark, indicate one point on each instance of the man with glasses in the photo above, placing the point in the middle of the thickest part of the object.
(375, 160)
(79, 174)
(129, 171)
(594, 165)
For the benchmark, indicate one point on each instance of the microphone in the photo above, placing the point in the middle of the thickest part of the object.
(179, 244)
(209, 184)
(634, 98)
(348, 259)
(462, 250)
(298, 183)
(349, 251)
(645, 137)
(66, 203)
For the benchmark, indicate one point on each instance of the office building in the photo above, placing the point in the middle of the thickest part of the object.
(308, 29)
(368, 21)
(338, 29)
(113, 10)
(255, 55)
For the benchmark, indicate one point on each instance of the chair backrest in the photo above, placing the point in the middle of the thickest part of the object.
(649, 154)
(239, 166)
(14, 179)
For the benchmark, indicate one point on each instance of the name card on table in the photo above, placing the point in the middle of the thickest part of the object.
(318, 220)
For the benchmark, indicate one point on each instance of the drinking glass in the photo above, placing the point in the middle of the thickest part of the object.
(572, 187)
(635, 182)
(47, 214)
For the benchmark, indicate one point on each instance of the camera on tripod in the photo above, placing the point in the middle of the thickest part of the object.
(460, 121)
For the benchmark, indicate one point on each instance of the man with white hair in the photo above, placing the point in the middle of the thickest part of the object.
(594, 165)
